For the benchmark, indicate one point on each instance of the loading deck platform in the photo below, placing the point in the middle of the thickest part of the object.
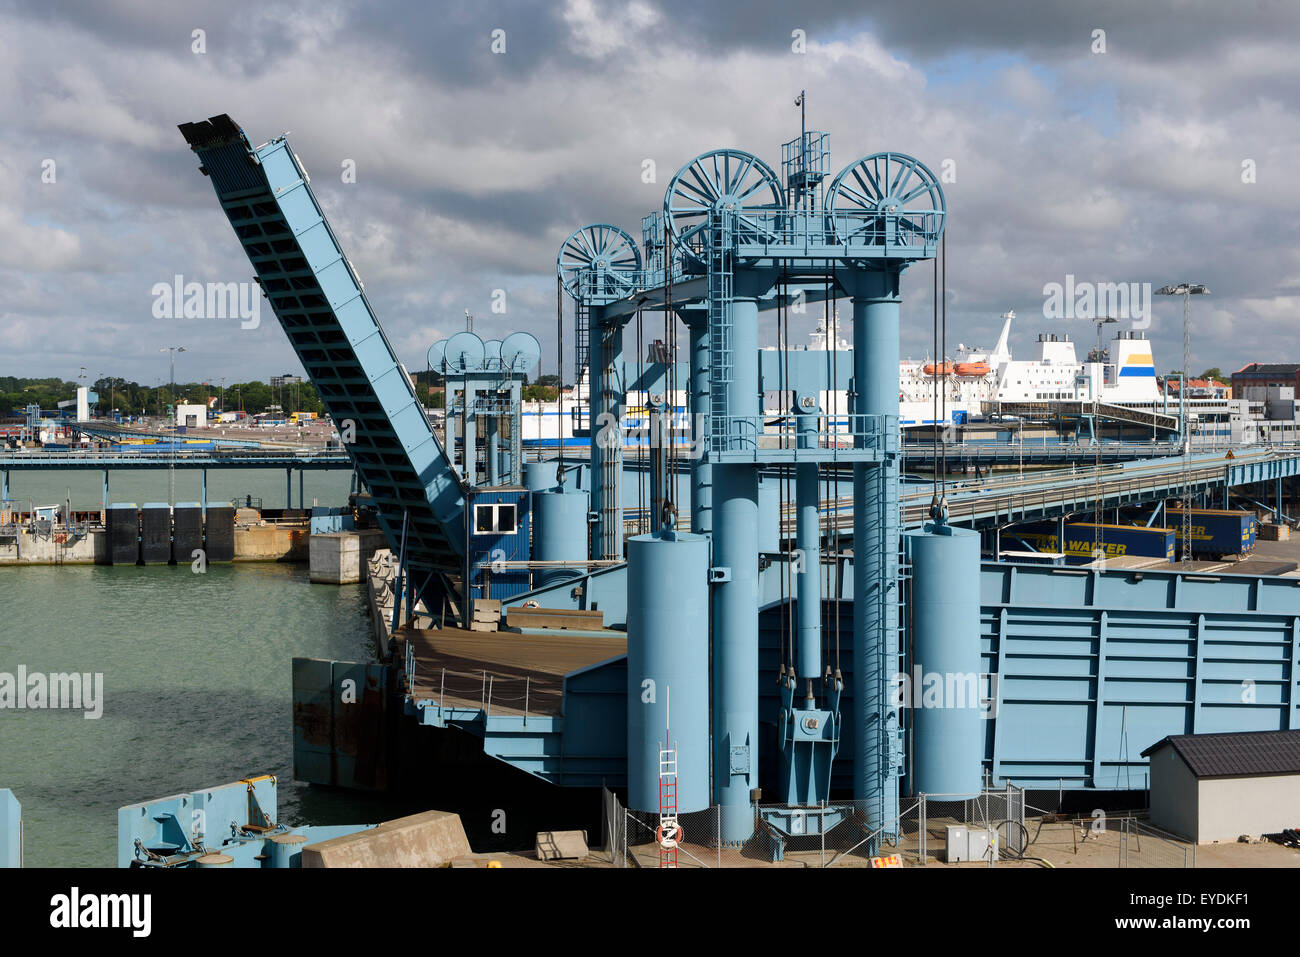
(500, 673)
(549, 704)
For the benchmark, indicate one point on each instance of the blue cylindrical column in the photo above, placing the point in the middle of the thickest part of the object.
(559, 533)
(876, 745)
(541, 476)
(735, 600)
(668, 666)
(808, 591)
(701, 471)
(944, 686)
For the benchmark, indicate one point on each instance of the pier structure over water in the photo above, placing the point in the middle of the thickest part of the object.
(757, 629)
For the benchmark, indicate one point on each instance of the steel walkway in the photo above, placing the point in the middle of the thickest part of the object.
(1016, 498)
(1074, 409)
(920, 456)
(1007, 498)
(108, 430)
(19, 461)
(321, 304)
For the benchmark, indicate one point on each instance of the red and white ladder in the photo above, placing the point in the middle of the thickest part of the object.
(669, 833)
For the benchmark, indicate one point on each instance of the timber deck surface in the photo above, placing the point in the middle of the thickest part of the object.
(501, 672)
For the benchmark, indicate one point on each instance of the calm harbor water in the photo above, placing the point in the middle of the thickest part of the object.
(197, 691)
(197, 674)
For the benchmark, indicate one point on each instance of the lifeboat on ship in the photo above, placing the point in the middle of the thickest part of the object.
(945, 368)
(971, 369)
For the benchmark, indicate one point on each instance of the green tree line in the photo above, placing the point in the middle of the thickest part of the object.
(132, 398)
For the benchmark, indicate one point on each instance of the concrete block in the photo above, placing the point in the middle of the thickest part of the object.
(430, 839)
(341, 558)
(561, 845)
(486, 614)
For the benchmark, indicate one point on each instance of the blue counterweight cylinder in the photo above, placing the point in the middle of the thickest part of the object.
(944, 687)
(541, 476)
(668, 662)
(559, 533)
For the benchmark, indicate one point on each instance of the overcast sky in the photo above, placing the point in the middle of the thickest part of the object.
(1128, 165)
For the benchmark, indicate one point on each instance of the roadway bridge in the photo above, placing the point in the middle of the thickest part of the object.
(98, 459)
(1002, 500)
(115, 433)
(106, 462)
(1007, 498)
(966, 456)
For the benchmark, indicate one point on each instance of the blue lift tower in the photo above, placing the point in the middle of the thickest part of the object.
(733, 240)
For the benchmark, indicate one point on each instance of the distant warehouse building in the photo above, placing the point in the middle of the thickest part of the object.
(1265, 374)
(1217, 787)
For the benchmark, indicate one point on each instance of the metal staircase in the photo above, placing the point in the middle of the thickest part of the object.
(321, 304)
(721, 360)
(581, 338)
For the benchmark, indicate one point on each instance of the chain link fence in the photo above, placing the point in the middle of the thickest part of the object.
(837, 835)
(1006, 831)
(1141, 845)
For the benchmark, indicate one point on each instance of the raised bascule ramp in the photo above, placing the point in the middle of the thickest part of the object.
(321, 304)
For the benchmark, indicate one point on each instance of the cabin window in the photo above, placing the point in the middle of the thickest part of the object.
(496, 518)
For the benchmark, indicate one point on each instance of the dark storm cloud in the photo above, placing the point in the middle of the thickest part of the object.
(472, 167)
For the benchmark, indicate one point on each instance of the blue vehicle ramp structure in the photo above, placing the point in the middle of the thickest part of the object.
(322, 306)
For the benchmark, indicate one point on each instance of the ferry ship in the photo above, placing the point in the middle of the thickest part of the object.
(954, 390)
(1123, 374)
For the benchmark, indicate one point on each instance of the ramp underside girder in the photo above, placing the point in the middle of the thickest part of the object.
(319, 302)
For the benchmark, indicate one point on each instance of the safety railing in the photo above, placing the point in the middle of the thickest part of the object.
(730, 434)
(509, 695)
(838, 834)
(904, 232)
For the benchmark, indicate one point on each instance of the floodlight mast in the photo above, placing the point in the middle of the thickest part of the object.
(1186, 290)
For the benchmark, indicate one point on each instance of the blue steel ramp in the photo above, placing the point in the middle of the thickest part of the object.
(316, 295)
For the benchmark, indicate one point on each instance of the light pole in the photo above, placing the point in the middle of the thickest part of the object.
(171, 362)
(1186, 290)
(171, 393)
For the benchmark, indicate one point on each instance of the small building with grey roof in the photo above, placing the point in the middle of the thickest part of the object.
(1218, 787)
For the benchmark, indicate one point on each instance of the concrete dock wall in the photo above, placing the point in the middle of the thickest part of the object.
(254, 542)
(342, 558)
